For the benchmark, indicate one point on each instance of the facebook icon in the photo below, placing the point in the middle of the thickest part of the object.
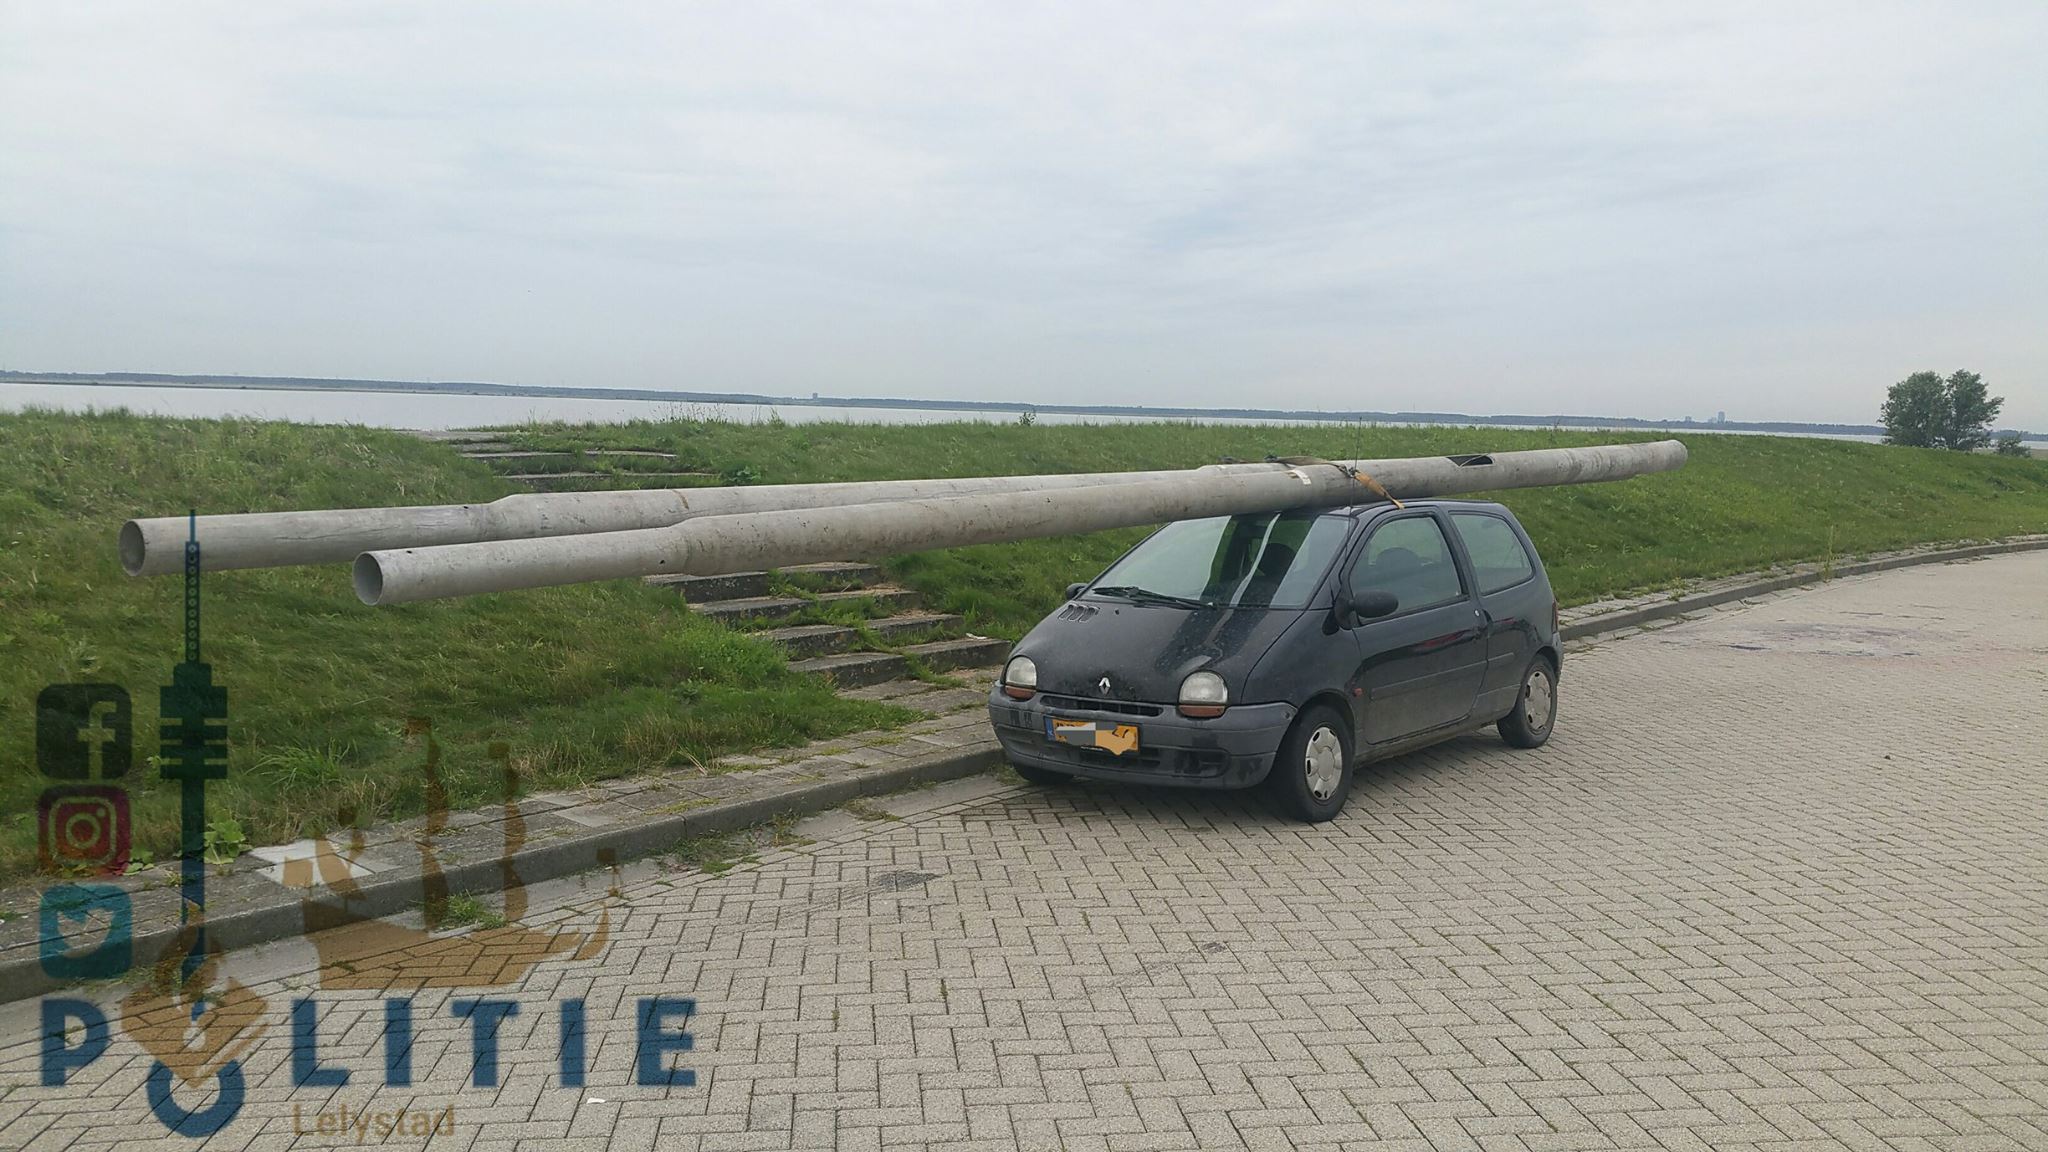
(84, 731)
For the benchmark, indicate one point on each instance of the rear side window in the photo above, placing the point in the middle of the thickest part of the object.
(1498, 558)
(1410, 558)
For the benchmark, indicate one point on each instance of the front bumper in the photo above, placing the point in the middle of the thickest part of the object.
(1235, 750)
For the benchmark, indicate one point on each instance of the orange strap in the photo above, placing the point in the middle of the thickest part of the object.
(1371, 485)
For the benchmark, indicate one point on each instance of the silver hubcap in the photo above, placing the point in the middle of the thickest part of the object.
(1323, 763)
(1536, 699)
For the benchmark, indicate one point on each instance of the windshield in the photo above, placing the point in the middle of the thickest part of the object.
(1271, 560)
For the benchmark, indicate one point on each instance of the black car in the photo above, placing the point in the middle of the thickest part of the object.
(1285, 648)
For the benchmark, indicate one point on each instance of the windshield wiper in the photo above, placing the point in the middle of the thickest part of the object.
(1148, 596)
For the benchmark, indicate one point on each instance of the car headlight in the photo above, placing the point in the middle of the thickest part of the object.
(1020, 678)
(1203, 696)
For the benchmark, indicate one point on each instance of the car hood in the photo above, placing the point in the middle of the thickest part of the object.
(1146, 650)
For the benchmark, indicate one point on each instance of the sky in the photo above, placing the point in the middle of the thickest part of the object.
(1643, 209)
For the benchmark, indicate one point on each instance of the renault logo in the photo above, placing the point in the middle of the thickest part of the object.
(1102, 685)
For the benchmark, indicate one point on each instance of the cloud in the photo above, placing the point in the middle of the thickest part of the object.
(1642, 209)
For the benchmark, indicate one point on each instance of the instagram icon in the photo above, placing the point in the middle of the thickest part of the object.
(83, 827)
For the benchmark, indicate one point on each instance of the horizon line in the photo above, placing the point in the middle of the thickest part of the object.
(820, 400)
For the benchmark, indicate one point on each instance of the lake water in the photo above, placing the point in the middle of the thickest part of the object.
(438, 411)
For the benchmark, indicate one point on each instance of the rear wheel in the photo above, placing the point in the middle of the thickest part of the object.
(1043, 777)
(1312, 773)
(1528, 726)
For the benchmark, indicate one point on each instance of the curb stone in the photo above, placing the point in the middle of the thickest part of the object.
(266, 911)
(1742, 589)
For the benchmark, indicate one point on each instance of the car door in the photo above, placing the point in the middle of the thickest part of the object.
(1420, 668)
(1506, 576)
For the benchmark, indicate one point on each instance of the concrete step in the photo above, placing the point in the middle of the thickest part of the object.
(800, 640)
(817, 577)
(960, 653)
(783, 607)
(690, 479)
(859, 669)
(506, 452)
(456, 435)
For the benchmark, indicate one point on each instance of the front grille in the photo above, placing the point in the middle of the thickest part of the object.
(1119, 707)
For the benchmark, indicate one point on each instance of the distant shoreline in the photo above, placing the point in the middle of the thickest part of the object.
(1248, 415)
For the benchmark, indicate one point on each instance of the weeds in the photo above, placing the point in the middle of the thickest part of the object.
(468, 911)
(782, 831)
(713, 854)
(225, 841)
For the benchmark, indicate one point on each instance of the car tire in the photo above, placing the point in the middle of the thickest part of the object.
(1301, 784)
(1535, 711)
(1043, 777)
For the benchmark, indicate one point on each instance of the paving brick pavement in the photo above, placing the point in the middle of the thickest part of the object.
(1780, 880)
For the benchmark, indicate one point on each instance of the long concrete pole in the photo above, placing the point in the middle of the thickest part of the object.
(713, 545)
(156, 546)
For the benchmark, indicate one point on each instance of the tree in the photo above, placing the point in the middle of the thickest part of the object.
(1970, 412)
(1925, 411)
(2009, 445)
(1913, 411)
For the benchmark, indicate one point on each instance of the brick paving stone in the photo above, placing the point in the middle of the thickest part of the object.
(1779, 881)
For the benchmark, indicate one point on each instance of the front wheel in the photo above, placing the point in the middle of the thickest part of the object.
(1528, 726)
(1312, 773)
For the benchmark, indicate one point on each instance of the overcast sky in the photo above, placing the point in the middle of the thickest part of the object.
(1638, 209)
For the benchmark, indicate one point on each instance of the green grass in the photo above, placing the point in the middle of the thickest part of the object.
(614, 679)
(583, 683)
(1743, 503)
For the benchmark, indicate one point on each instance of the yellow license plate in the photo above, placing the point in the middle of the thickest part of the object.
(1118, 739)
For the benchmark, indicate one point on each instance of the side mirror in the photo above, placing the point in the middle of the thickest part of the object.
(1373, 603)
(1074, 590)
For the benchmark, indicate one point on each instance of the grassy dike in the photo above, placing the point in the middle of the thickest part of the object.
(608, 680)
(583, 683)
(1742, 503)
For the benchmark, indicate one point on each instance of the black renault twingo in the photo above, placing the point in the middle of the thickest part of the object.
(1284, 649)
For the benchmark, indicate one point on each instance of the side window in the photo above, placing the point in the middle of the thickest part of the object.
(1498, 558)
(1410, 558)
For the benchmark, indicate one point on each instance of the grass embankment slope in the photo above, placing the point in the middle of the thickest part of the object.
(613, 679)
(582, 683)
(1742, 503)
